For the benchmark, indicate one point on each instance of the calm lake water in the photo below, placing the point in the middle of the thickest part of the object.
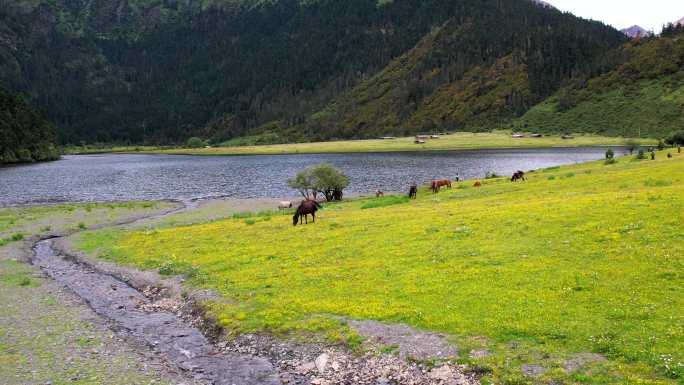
(88, 178)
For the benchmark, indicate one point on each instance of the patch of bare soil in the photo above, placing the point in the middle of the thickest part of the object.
(409, 342)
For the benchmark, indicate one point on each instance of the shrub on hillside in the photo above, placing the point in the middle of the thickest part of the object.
(196, 142)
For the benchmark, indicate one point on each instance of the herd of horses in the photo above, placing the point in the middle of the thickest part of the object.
(310, 206)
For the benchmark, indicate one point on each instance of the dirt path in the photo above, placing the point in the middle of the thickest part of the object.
(166, 333)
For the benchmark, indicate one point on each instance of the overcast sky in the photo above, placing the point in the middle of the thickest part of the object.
(650, 14)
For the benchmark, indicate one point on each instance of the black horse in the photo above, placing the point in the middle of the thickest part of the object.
(518, 176)
(413, 191)
(305, 208)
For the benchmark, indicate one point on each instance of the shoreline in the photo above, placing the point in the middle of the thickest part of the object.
(454, 142)
(431, 150)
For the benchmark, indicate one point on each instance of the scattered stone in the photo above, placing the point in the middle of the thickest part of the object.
(306, 368)
(533, 370)
(581, 360)
(480, 353)
(442, 373)
(322, 362)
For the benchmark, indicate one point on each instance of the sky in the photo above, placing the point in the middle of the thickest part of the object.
(650, 14)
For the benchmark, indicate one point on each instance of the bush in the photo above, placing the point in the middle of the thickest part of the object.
(610, 154)
(640, 155)
(196, 142)
(491, 175)
(676, 138)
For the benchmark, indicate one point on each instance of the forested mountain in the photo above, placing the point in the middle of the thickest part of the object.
(159, 71)
(25, 136)
(643, 95)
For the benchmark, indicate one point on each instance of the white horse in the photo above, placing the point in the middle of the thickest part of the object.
(284, 205)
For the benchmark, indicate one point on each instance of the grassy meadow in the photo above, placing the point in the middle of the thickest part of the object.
(456, 141)
(580, 259)
(19, 222)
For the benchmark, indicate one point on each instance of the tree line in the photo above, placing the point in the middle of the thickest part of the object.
(25, 135)
(132, 72)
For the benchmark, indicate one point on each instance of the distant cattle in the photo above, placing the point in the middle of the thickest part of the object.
(285, 205)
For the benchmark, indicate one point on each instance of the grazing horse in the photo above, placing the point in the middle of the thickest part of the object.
(305, 208)
(437, 184)
(379, 194)
(285, 205)
(477, 184)
(518, 175)
(413, 191)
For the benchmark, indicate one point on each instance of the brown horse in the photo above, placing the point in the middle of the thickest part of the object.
(305, 208)
(519, 175)
(379, 193)
(413, 191)
(477, 184)
(437, 184)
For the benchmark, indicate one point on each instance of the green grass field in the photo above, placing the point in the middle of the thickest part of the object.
(16, 223)
(457, 141)
(583, 258)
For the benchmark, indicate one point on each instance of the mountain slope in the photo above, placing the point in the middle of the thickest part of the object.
(643, 96)
(161, 71)
(471, 75)
(25, 136)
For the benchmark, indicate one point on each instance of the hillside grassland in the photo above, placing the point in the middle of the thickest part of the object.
(643, 95)
(615, 112)
(579, 259)
(455, 141)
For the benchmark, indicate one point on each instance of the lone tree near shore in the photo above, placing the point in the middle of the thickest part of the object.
(323, 178)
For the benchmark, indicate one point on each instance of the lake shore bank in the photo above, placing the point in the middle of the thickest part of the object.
(454, 142)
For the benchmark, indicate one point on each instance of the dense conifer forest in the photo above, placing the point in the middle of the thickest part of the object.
(161, 71)
(25, 136)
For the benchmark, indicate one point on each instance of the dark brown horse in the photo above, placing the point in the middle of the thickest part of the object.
(305, 208)
(437, 184)
(477, 184)
(413, 191)
(518, 175)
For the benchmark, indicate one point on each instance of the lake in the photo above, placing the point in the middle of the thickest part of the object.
(111, 177)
